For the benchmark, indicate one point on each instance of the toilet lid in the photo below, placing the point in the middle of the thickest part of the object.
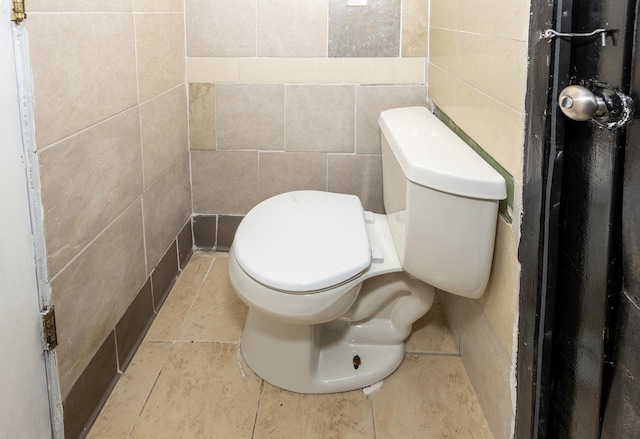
(303, 241)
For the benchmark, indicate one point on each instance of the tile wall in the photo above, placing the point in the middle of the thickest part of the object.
(285, 95)
(477, 75)
(111, 138)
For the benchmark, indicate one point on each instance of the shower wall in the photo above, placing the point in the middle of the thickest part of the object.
(111, 141)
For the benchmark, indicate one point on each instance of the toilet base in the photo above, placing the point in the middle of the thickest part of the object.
(314, 358)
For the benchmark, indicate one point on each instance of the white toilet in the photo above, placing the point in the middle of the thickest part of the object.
(333, 290)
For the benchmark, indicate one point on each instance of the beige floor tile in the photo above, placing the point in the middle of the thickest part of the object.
(429, 397)
(125, 402)
(217, 314)
(201, 394)
(174, 310)
(431, 334)
(288, 415)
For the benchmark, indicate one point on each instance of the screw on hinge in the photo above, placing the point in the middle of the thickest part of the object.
(18, 13)
(49, 329)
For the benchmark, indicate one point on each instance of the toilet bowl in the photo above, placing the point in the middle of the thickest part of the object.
(333, 290)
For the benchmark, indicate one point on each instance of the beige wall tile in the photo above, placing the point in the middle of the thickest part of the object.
(443, 91)
(359, 175)
(164, 132)
(371, 101)
(182, 403)
(224, 182)
(499, 129)
(221, 27)
(337, 415)
(121, 410)
(158, 5)
(78, 6)
(411, 71)
(443, 50)
(383, 70)
(101, 283)
(415, 24)
(167, 206)
(444, 14)
(160, 52)
(501, 18)
(217, 314)
(488, 367)
(497, 67)
(87, 181)
(428, 396)
(282, 172)
(320, 118)
(202, 116)
(292, 28)
(99, 79)
(250, 116)
(200, 70)
(226, 70)
(500, 299)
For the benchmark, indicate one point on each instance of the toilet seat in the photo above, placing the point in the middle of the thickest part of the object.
(304, 241)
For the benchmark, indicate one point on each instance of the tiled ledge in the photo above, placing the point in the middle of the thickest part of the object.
(307, 70)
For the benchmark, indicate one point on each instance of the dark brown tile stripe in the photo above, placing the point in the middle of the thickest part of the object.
(185, 244)
(89, 393)
(227, 226)
(164, 275)
(133, 325)
(205, 230)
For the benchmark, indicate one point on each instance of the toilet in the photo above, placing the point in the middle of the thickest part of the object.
(333, 290)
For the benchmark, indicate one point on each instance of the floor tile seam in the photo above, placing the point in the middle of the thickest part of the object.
(255, 419)
(153, 386)
(433, 354)
(168, 355)
(373, 417)
(217, 342)
(195, 297)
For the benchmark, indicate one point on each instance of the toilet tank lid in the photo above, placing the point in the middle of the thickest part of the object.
(432, 155)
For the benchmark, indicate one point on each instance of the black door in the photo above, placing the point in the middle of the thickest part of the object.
(591, 389)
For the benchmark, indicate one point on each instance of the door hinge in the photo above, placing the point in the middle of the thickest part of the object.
(18, 12)
(49, 329)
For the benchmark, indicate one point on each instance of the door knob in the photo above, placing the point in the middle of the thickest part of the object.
(580, 103)
(606, 107)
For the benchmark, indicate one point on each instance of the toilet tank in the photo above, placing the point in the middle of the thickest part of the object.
(441, 200)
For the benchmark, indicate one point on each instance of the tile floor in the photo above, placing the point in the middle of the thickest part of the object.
(186, 381)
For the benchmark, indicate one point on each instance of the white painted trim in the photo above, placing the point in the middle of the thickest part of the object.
(25, 95)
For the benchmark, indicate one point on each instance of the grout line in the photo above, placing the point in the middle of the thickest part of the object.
(373, 417)
(255, 420)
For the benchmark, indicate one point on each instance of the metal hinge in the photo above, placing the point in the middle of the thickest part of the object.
(49, 329)
(18, 13)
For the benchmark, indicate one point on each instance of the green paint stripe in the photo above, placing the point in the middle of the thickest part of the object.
(506, 205)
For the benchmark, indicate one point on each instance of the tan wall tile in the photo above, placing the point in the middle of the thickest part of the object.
(442, 90)
(160, 52)
(443, 50)
(499, 129)
(224, 181)
(87, 181)
(415, 24)
(78, 6)
(250, 116)
(320, 118)
(371, 101)
(501, 18)
(221, 27)
(84, 70)
(282, 172)
(500, 299)
(167, 206)
(292, 28)
(488, 367)
(158, 5)
(202, 116)
(359, 175)
(93, 292)
(495, 66)
(164, 132)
